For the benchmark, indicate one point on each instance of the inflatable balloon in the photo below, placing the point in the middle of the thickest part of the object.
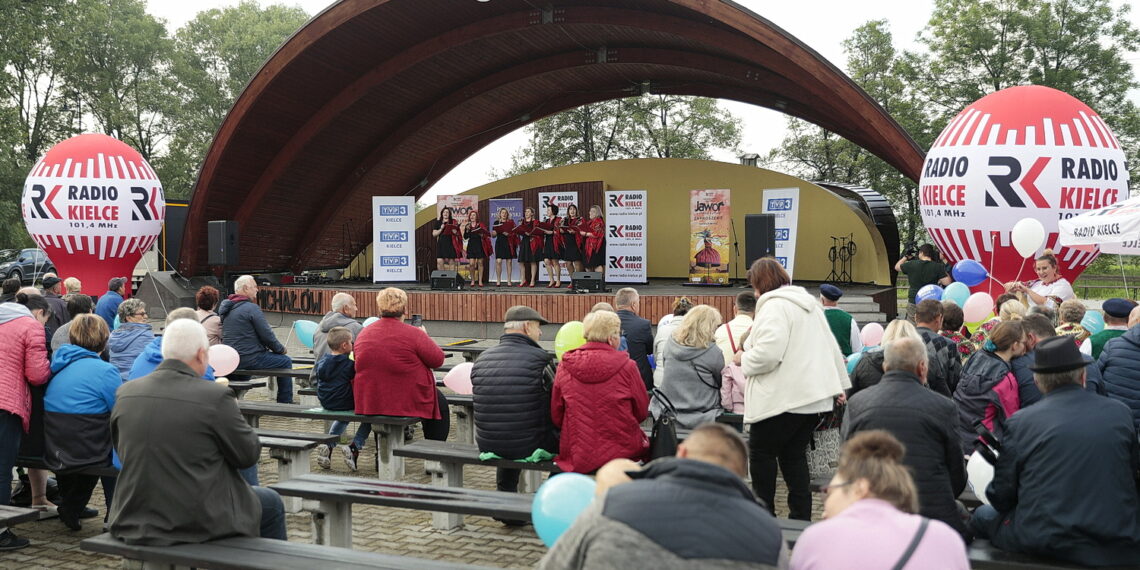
(1028, 236)
(973, 325)
(94, 205)
(558, 502)
(852, 360)
(569, 337)
(979, 473)
(1023, 152)
(930, 291)
(872, 334)
(1093, 322)
(977, 307)
(224, 359)
(370, 320)
(459, 378)
(957, 292)
(969, 272)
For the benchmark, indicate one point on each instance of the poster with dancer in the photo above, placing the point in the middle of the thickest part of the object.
(461, 205)
(514, 206)
(709, 219)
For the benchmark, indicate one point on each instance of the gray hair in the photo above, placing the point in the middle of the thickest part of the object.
(1044, 312)
(514, 325)
(130, 308)
(341, 300)
(1049, 381)
(904, 353)
(243, 282)
(183, 339)
(625, 297)
(180, 313)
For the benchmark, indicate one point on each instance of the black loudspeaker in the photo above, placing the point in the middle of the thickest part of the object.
(586, 281)
(443, 279)
(223, 242)
(759, 237)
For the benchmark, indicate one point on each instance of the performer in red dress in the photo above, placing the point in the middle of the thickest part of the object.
(530, 241)
(571, 240)
(449, 243)
(506, 244)
(478, 246)
(594, 230)
(552, 246)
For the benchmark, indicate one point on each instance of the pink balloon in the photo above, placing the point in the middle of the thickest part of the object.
(459, 378)
(977, 307)
(224, 359)
(872, 334)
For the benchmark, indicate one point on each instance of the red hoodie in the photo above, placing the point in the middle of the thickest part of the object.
(599, 402)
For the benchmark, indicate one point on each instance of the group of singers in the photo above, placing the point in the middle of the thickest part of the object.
(577, 241)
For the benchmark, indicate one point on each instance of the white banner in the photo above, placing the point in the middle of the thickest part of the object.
(625, 236)
(393, 238)
(784, 203)
(562, 200)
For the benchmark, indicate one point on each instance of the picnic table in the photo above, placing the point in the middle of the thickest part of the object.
(240, 387)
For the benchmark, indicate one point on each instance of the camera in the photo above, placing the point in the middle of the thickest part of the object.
(910, 250)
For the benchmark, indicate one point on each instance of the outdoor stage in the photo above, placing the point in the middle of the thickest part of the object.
(487, 305)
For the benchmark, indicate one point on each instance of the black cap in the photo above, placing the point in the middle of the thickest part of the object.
(830, 292)
(50, 282)
(1057, 354)
(1117, 307)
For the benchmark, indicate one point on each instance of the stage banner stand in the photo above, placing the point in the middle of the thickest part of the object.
(393, 247)
(515, 207)
(626, 236)
(562, 200)
(460, 205)
(709, 218)
(784, 203)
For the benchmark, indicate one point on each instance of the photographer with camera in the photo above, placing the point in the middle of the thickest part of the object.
(927, 269)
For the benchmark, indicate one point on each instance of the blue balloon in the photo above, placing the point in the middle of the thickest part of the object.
(853, 360)
(1093, 322)
(969, 272)
(957, 292)
(558, 502)
(930, 291)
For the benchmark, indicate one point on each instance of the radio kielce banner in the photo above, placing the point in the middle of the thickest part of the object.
(709, 218)
(784, 203)
(515, 207)
(460, 205)
(625, 236)
(562, 200)
(393, 238)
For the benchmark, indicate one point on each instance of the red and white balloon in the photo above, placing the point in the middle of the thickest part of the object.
(94, 205)
(1027, 152)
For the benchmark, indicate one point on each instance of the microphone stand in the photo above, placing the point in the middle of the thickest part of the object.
(736, 252)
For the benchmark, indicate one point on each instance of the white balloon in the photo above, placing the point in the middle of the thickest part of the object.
(979, 473)
(1028, 236)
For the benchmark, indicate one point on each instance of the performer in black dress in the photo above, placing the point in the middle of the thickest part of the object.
(530, 249)
(552, 246)
(506, 244)
(478, 246)
(449, 241)
(571, 239)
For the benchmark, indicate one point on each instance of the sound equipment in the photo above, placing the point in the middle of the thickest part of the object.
(442, 280)
(759, 237)
(164, 291)
(222, 241)
(587, 282)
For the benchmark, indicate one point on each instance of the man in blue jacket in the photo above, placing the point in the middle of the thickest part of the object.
(108, 305)
(245, 329)
(638, 332)
(1120, 364)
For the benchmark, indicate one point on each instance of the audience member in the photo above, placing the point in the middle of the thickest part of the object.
(1065, 483)
(77, 411)
(604, 306)
(924, 423)
(343, 314)
(1115, 323)
(58, 306)
(1049, 313)
(599, 400)
(665, 327)
(181, 442)
(630, 526)
(794, 373)
(151, 356)
(869, 516)
(11, 285)
(952, 321)
(1016, 310)
(1071, 313)
(693, 366)
(681, 305)
(987, 392)
(730, 336)
(637, 332)
(946, 365)
(73, 286)
(245, 329)
(108, 305)
(77, 304)
(1038, 328)
(336, 371)
(869, 370)
(206, 302)
(1119, 365)
(842, 324)
(133, 335)
(394, 363)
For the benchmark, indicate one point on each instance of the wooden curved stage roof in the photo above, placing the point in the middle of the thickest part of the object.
(384, 97)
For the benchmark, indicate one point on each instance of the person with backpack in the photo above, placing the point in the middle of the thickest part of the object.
(987, 391)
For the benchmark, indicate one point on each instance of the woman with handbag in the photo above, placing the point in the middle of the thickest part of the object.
(693, 365)
(870, 523)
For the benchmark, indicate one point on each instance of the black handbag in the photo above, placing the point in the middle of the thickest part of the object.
(663, 440)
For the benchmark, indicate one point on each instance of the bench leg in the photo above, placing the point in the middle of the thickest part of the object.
(332, 524)
(145, 565)
(290, 464)
(464, 425)
(389, 438)
(445, 474)
(530, 481)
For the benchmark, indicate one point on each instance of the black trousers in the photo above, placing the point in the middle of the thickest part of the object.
(782, 441)
(438, 429)
(75, 491)
(508, 480)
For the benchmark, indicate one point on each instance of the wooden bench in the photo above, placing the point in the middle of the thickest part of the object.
(464, 410)
(272, 374)
(255, 553)
(12, 516)
(240, 387)
(330, 500)
(389, 430)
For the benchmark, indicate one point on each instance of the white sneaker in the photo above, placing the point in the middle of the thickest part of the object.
(350, 455)
(323, 453)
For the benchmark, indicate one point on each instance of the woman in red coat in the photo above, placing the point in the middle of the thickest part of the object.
(394, 363)
(594, 230)
(599, 400)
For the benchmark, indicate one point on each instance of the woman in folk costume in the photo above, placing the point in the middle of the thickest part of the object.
(449, 240)
(529, 247)
(594, 230)
(506, 244)
(478, 246)
(552, 246)
(571, 240)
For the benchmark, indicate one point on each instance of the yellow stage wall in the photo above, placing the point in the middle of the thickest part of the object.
(668, 182)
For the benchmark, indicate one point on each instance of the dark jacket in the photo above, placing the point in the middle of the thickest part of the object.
(1027, 389)
(1119, 364)
(1066, 481)
(924, 422)
(944, 361)
(245, 329)
(677, 513)
(181, 442)
(869, 370)
(77, 409)
(511, 383)
(331, 320)
(335, 387)
(987, 392)
(59, 314)
(638, 333)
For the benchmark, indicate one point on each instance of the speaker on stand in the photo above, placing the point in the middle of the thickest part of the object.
(759, 237)
(222, 242)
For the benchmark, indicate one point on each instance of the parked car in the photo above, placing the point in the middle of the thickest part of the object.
(29, 265)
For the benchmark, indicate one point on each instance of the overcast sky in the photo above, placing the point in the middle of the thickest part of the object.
(763, 129)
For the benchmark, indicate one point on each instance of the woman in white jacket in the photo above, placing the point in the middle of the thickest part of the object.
(793, 374)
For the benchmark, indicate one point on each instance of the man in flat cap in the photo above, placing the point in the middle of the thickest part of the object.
(512, 384)
(1065, 483)
(842, 324)
(59, 315)
(1115, 323)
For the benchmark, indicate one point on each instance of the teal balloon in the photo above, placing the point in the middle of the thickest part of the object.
(957, 292)
(370, 320)
(116, 324)
(558, 502)
(852, 361)
(1093, 322)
